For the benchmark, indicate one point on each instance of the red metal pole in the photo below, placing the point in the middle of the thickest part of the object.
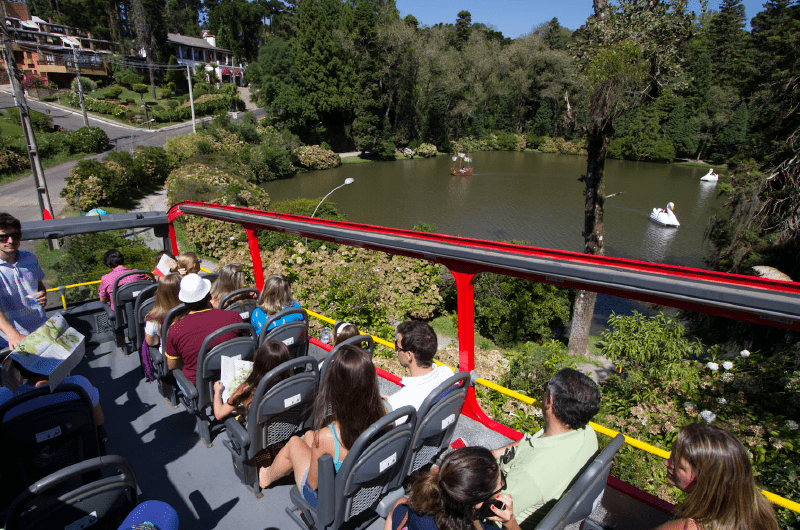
(255, 256)
(173, 239)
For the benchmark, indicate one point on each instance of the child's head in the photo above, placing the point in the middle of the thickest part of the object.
(113, 258)
(344, 331)
(188, 263)
(268, 356)
(276, 294)
(166, 297)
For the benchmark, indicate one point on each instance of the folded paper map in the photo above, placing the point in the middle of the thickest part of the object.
(233, 372)
(52, 350)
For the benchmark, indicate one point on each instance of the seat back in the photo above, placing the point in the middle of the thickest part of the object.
(141, 306)
(124, 295)
(370, 469)
(172, 315)
(294, 334)
(579, 500)
(44, 432)
(209, 357)
(280, 409)
(210, 276)
(436, 421)
(242, 301)
(102, 503)
(365, 342)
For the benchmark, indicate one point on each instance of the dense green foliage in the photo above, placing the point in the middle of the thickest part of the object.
(82, 260)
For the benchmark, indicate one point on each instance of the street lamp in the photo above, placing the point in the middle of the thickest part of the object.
(346, 182)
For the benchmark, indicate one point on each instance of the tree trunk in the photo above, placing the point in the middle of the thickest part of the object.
(593, 234)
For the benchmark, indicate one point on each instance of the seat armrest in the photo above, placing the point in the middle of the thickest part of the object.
(238, 437)
(326, 489)
(384, 507)
(186, 387)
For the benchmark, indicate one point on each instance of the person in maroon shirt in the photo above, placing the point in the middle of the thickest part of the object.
(185, 337)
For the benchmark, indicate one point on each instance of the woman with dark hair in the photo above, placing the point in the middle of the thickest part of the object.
(346, 405)
(714, 468)
(460, 495)
(114, 260)
(268, 356)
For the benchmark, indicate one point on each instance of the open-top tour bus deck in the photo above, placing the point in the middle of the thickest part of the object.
(172, 464)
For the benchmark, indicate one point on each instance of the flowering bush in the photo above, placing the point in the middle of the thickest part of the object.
(426, 150)
(198, 182)
(92, 183)
(316, 157)
(10, 161)
(754, 396)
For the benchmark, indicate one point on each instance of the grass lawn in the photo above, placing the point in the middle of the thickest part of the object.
(7, 128)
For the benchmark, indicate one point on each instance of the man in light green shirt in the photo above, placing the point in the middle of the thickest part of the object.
(544, 464)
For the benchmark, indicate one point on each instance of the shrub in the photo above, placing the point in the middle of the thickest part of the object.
(385, 150)
(316, 157)
(130, 101)
(51, 144)
(179, 149)
(151, 164)
(87, 84)
(172, 103)
(102, 107)
(166, 93)
(158, 108)
(11, 162)
(270, 161)
(113, 92)
(95, 183)
(426, 150)
(88, 140)
(41, 122)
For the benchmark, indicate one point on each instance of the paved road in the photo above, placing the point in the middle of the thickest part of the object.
(19, 198)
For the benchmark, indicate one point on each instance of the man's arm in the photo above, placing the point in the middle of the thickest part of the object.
(173, 363)
(14, 336)
(497, 453)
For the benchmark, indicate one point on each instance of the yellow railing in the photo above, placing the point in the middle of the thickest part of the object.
(633, 442)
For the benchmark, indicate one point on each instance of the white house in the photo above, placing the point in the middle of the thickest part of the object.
(194, 50)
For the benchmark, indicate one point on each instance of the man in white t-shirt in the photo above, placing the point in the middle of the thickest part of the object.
(416, 345)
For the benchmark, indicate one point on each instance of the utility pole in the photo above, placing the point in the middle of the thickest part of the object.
(191, 97)
(80, 86)
(25, 120)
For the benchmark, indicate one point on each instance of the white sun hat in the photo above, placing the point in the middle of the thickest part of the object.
(193, 288)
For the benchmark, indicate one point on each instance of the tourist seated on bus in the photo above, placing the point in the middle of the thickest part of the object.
(344, 331)
(415, 346)
(268, 356)
(540, 467)
(31, 380)
(275, 297)
(114, 260)
(151, 515)
(165, 299)
(455, 495)
(186, 336)
(347, 404)
(714, 468)
(187, 263)
(231, 278)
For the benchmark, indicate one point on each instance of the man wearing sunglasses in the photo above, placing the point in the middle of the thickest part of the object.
(416, 344)
(22, 293)
(540, 467)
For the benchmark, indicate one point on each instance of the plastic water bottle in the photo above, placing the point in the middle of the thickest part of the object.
(32, 302)
(325, 335)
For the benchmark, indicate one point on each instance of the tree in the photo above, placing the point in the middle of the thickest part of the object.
(626, 53)
(237, 25)
(463, 27)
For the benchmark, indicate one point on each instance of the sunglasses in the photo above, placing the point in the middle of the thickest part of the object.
(16, 236)
(397, 346)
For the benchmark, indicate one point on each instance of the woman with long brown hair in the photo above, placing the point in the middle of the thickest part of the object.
(276, 295)
(165, 299)
(231, 278)
(347, 404)
(714, 468)
(459, 495)
(269, 355)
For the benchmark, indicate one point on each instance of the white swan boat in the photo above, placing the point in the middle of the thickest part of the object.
(710, 176)
(665, 216)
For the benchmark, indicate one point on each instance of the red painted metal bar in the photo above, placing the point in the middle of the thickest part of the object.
(255, 256)
(173, 239)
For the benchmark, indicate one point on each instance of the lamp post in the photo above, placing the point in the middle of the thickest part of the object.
(346, 182)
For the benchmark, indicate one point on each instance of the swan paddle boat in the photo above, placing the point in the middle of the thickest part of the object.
(665, 216)
(710, 176)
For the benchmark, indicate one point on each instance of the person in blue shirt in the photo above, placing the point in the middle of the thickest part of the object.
(275, 297)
